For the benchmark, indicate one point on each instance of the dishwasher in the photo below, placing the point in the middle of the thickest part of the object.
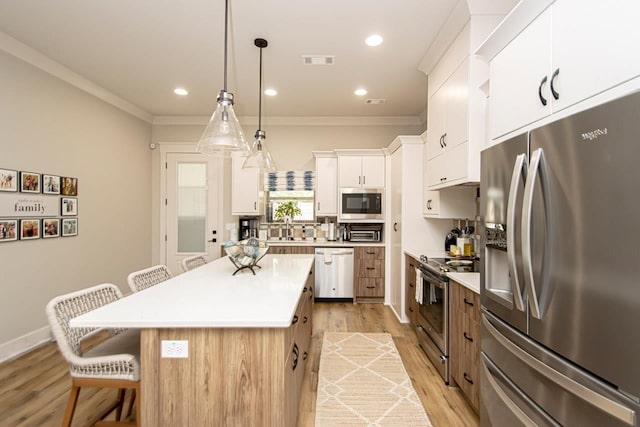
(334, 273)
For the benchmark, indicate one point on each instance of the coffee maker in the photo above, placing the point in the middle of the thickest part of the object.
(248, 227)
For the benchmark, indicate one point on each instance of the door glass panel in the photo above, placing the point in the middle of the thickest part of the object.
(192, 207)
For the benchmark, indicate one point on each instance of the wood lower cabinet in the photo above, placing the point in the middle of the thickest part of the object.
(233, 376)
(465, 341)
(369, 274)
(410, 303)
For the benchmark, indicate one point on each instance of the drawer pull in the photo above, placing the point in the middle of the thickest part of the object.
(295, 319)
(370, 253)
(466, 301)
(467, 337)
(411, 309)
(296, 354)
(304, 290)
(467, 379)
(371, 287)
(371, 268)
(306, 319)
(411, 285)
(305, 355)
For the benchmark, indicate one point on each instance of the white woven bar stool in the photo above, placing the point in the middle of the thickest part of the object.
(114, 363)
(193, 262)
(148, 277)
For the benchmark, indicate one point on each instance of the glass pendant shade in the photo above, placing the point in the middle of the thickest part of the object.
(259, 157)
(223, 135)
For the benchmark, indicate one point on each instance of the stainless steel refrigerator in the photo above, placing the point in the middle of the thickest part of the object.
(560, 272)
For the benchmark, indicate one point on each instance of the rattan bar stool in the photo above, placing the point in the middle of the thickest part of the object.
(113, 363)
(148, 277)
(193, 262)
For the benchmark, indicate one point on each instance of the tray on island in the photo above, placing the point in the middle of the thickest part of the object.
(245, 254)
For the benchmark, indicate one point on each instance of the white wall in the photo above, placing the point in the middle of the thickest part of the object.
(48, 126)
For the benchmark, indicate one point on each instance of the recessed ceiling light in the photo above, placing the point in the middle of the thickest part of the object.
(360, 92)
(181, 91)
(270, 92)
(373, 40)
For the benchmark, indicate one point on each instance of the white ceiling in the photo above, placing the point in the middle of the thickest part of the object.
(140, 50)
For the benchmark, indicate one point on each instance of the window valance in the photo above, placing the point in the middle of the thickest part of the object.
(289, 180)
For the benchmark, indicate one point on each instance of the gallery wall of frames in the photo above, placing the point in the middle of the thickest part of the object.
(36, 205)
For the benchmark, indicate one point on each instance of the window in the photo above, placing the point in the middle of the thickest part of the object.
(305, 201)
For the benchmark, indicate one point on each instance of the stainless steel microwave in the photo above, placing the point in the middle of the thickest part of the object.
(361, 204)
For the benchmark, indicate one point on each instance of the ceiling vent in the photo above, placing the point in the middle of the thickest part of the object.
(318, 59)
(375, 101)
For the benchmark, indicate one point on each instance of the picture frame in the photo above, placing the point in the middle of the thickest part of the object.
(50, 184)
(69, 186)
(69, 227)
(8, 230)
(50, 228)
(29, 182)
(29, 229)
(68, 206)
(8, 180)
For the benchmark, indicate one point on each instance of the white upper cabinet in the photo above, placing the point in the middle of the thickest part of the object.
(456, 115)
(326, 184)
(366, 171)
(573, 50)
(516, 74)
(247, 195)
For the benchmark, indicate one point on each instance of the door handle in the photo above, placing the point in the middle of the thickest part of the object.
(519, 172)
(542, 98)
(395, 226)
(318, 205)
(441, 143)
(444, 139)
(537, 169)
(555, 94)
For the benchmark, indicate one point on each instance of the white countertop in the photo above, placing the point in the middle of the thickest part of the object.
(210, 297)
(468, 280)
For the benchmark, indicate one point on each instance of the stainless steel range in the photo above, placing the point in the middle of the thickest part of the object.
(433, 307)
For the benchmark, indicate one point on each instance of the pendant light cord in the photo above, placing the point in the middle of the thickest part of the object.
(226, 20)
(260, 95)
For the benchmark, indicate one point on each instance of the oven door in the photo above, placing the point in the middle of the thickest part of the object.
(434, 310)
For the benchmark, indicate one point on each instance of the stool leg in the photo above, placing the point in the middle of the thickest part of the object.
(71, 405)
(121, 394)
(132, 399)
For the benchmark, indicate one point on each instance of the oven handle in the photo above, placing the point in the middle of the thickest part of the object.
(432, 278)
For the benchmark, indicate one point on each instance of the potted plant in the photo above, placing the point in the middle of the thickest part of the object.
(287, 209)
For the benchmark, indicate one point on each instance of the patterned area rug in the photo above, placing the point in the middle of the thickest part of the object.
(362, 382)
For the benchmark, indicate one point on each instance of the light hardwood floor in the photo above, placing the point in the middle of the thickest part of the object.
(34, 388)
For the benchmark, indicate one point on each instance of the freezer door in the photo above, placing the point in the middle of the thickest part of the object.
(503, 177)
(579, 247)
(567, 394)
(503, 404)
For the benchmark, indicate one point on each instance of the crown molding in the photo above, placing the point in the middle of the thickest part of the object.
(299, 121)
(23, 52)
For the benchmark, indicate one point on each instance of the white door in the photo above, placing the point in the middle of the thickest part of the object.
(373, 171)
(192, 208)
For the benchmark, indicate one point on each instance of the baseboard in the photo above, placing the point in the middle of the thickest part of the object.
(24, 344)
(400, 319)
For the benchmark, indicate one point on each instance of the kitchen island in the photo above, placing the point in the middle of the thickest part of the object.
(247, 341)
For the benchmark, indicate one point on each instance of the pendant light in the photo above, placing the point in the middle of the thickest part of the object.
(223, 134)
(260, 157)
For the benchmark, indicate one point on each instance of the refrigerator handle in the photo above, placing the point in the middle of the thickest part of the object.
(519, 172)
(527, 209)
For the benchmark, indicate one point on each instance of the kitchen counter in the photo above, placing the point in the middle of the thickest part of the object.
(210, 297)
(240, 340)
(323, 243)
(468, 280)
(430, 254)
